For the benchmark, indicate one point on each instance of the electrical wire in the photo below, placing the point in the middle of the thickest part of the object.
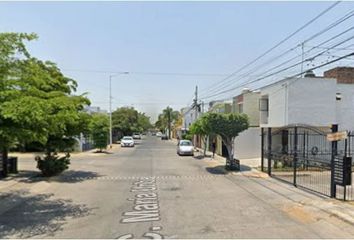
(331, 26)
(281, 42)
(274, 73)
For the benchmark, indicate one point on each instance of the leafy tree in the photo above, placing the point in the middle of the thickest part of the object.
(37, 101)
(127, 120)
(165, 119)
(202, 127)
(228, 126)
(143, 122)
(99, 128)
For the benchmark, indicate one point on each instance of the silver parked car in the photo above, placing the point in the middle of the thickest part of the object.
(185, 147)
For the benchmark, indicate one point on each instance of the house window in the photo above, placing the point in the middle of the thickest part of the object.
(264, 109)
(240, 108)
(263, 104)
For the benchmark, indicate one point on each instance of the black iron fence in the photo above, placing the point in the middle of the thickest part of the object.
(303, 156)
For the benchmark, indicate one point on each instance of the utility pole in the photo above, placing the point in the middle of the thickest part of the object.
(196, 102)
(169, 122)
(110, 111)
(110, 106)
(302, 58)
(196, 112)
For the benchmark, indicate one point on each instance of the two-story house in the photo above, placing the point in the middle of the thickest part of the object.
(248, 143)
(311, 100)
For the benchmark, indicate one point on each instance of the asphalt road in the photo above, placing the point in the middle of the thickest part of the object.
(150, 192)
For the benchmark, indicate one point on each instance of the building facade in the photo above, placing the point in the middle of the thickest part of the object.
(315, 101)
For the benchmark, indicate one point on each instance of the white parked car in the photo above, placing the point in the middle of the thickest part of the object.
(185, 147)
(136, 136)
(127, 141)
(159, 134)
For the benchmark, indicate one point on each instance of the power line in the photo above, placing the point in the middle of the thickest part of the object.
(322, 43)
(274, 73)
(149, 73)
(299, 74)
(311, 69)
(331, 26)
(281, 42)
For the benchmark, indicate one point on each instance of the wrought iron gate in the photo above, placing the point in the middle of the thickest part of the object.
(302, 155)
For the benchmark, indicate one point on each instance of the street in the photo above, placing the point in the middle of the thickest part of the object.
(150, 192)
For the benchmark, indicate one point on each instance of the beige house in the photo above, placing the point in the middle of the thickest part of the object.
(247, 102)
(247, 144)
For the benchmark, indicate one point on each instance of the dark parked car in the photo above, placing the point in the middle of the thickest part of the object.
(164, 137)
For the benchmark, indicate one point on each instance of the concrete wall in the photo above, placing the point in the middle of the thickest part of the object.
(189, 116)
(277, 112)
(345, 107)
(301, 101)
(312, 101)
(251, 107)
(248, 144)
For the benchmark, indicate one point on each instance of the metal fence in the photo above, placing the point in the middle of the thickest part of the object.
(302, 155)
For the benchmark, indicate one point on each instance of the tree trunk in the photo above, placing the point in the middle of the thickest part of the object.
(205, 144)
(4, 161)
(231, 161)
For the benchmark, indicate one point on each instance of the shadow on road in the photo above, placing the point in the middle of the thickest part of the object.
(102, 152)
(70, 176)
(218, 170)
(22, 175)
(32, 215)
(245, 168)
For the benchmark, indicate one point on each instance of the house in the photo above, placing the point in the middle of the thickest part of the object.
(247, 102)
(311, 100)
(248, 143)
(188, 117)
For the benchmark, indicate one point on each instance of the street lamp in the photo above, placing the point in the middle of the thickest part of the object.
(110, 105)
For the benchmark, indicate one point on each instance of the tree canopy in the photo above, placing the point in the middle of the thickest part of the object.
(99, 128)
(37, 100)
(127, 120)
(167, 114)
(228, 126)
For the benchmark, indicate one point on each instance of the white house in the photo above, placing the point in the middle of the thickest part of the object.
(315, 101)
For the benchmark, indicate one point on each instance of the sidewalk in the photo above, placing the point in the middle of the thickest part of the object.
(27, 170)
(328, 206)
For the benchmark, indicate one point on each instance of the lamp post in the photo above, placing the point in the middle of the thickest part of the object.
(110, 105)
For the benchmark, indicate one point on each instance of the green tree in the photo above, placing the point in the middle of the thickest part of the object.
(99, 128)
(143, 122)
(228, 126)
(202, 127)
(37, 101)
(166, 118)
(127, 120)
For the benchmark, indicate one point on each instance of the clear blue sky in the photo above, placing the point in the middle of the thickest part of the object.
(179, 37)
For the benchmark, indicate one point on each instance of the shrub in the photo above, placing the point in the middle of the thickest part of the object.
(187, 136)
(52, 165)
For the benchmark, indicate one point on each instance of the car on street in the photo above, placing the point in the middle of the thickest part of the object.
(164, 137)
(127, 141)
(136, 136)
(159, 134)
(185, 147)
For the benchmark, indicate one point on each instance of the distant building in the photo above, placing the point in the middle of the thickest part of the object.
(94, 109)
(221, 107)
